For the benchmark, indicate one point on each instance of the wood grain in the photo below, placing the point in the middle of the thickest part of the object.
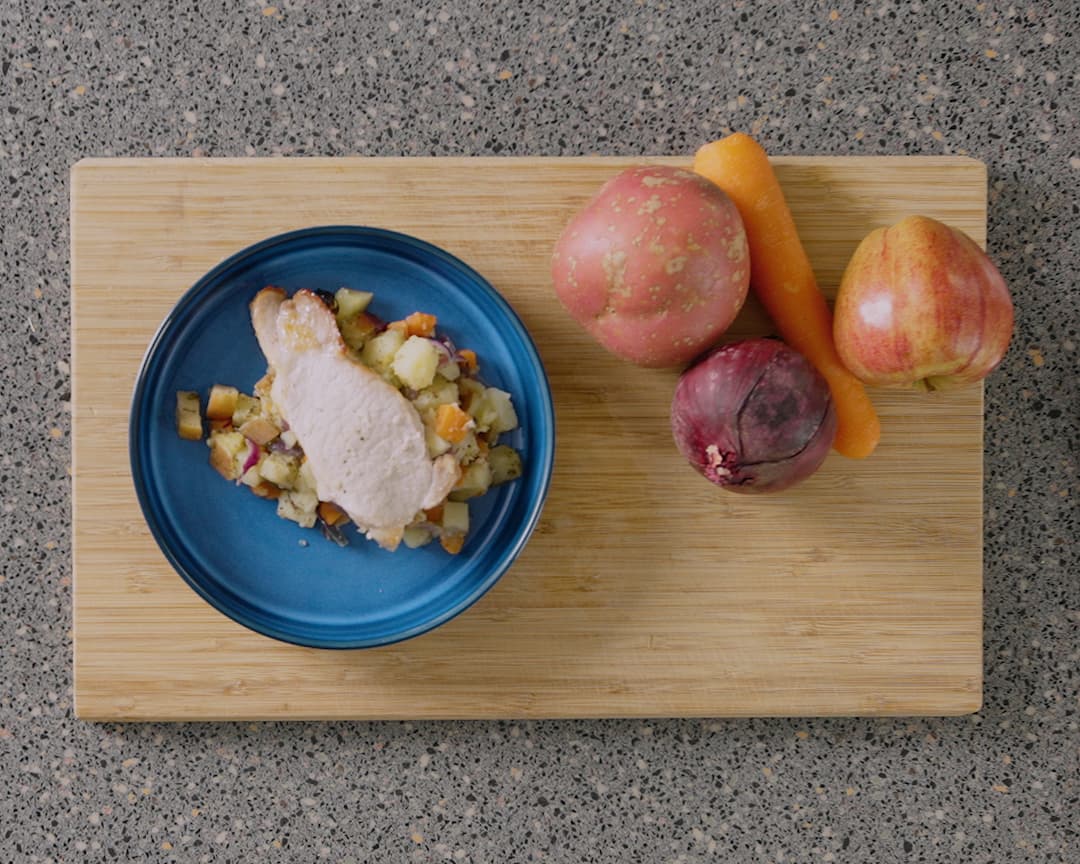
(645, 591)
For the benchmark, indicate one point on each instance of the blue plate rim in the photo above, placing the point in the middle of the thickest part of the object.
(192, 296)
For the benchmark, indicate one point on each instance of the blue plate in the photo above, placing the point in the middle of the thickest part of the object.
(267, 573)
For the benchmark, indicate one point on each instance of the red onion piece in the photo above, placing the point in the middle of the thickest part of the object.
(252, 457)
(753, 416)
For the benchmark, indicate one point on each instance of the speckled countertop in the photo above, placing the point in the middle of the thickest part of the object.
(992, 80)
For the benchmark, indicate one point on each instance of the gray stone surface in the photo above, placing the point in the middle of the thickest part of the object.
(991, 80)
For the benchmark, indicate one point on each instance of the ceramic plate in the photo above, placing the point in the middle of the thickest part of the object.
(269, 574)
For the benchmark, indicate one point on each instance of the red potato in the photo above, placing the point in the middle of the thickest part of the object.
(655, 267)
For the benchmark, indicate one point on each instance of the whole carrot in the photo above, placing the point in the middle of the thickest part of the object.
(782, 278)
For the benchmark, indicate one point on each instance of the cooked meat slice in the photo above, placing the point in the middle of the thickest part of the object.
(363, 439)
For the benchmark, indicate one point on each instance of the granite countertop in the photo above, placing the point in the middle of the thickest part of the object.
(990, 80)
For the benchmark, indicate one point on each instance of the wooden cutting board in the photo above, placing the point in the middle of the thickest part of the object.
(645, 591)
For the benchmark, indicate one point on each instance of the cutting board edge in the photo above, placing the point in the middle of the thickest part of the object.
(89, 163)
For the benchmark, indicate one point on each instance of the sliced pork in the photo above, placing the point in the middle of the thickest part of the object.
(364, 441)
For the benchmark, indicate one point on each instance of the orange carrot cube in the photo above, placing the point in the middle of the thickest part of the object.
(331, 514)
(469, 356)
(420, 324)
(452, 543)
(451, 423)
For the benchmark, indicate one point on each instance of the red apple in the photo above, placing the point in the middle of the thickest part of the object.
(921, 305)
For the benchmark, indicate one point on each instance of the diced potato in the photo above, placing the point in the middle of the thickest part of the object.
(222, 402)
(455, 517)
(252, 477)
(472, 391)
(420, 324)
(228, 452)
(188, 419)
(449, 370)
(300, 507)
(288, 438)
(416, 536)
(262, 386)
(357, 330)
(495, 411)
(379, 351)
(246, 408)
(260, 430)
(440, 392)
(505, 464)
(467, 449)
(351, 302)
(305, 480)
(416, 361)
(475, 480)
(436, 446)
(281, 470)
(451, 423)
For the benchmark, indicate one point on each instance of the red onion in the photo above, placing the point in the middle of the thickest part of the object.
(753, 416)
(252, 457)
(279, 446)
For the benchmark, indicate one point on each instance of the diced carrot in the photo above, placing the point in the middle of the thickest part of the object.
(782, 278)
(469, 356)
(434, 514)
(451, 423)
(331, 514)
(452, 543)
(420, 324)
(401, 326)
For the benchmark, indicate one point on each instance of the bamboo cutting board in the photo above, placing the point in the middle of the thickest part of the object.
(645, 591)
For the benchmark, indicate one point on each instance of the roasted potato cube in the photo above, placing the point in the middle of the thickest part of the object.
(505, 464)
(222, 402)
(246, 408)
(475, 480)
(298, 506)
(455, 517)
(436, 446)
(441, 392)
(260, 430)
(305, 480)
(351, 302)
(471, 392)
(188, 419)
(357, 330)
(379, 351)
(416, 361)
(495, 411)
(416, 536)
(227, 451)
(280, 470)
